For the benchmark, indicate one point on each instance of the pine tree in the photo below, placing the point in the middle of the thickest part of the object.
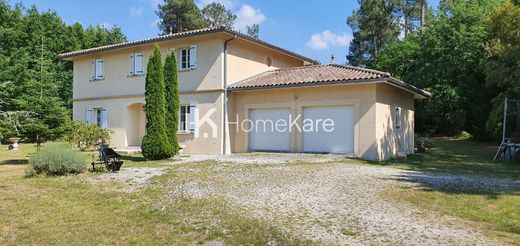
(373, 25)
(172, 99)
(178, 15)
(216, 14)
(155, 145)
(253, 30)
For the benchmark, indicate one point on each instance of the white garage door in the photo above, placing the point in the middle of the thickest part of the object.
(264, 135)
(339, 140)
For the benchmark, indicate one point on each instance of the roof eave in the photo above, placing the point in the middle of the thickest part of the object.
(307, 84)
(69, 56)
(418, 93)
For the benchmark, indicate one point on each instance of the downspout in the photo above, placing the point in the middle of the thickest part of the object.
(224, 127)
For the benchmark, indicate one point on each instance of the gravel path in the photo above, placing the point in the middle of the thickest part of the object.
(136, 178)
(263, 158)
(333, 203)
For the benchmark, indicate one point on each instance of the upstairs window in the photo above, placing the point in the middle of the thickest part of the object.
(136, 64)
(188, 58)
(96, 70)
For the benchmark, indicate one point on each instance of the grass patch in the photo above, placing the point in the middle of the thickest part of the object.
(71, 210)
(498, 211)
(499, 214)
(459, 157)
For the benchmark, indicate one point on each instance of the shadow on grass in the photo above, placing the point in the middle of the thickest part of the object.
(461, 184)
(14, 162)
(133, 158)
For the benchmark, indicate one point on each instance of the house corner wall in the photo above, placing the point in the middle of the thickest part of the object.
(391, 140)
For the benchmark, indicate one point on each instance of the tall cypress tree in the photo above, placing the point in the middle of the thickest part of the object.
(155, 145)
(172, 99)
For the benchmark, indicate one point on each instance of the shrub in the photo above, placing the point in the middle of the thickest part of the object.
(56, 159)
(155, 145)
(85, 136)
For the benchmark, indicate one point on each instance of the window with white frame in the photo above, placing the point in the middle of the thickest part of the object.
(97, 116)
(397, 117)
(136, 64)
(188, 58)
(187, 118)
(96, 70)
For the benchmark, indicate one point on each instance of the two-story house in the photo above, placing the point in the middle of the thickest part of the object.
(236, 93)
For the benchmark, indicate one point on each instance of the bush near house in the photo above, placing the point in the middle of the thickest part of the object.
(172, 99)
(155, 145)
(85, 136)
(56, 159)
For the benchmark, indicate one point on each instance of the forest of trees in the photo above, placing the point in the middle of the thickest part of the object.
(466, 53)
(35, 87)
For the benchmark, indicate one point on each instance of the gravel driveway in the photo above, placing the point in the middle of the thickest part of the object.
(330, 203)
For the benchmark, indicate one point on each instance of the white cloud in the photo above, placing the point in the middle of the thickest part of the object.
(136, 11)
(328, 39)
(248, 16)
(106, 25)
(229, 4)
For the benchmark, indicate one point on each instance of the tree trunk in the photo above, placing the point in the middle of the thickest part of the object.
(423, 13)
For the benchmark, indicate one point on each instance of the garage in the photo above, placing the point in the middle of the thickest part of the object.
(336, 139)
(263, 134)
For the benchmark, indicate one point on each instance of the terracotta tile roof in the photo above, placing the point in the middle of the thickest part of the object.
(320, 75)
(181, 35)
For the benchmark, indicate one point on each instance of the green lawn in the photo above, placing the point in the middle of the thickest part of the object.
(73, 211)
(498, 212)
(460, 157)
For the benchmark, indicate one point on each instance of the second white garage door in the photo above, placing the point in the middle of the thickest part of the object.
(340, 140)
(265, 137)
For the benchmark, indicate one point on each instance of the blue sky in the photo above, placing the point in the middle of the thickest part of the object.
(311, 27)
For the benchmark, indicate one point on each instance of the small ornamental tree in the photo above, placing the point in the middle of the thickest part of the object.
(155, 145)
(172, 100)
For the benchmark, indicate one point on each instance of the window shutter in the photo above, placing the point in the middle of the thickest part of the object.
(193, 56)
(179, 127)
(104, 118)
(131, 65)
(93, 70)
(194, 117)
(99, 69)
(138, 63)
(88, 115)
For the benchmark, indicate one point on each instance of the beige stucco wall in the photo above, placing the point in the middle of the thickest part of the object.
(246, 59)
(117, 82)
(389, 139)
(361, 97)
(126, 120)
(120, 116)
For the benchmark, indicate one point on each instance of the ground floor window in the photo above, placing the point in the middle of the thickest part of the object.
(187, 118)
(98, 116)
